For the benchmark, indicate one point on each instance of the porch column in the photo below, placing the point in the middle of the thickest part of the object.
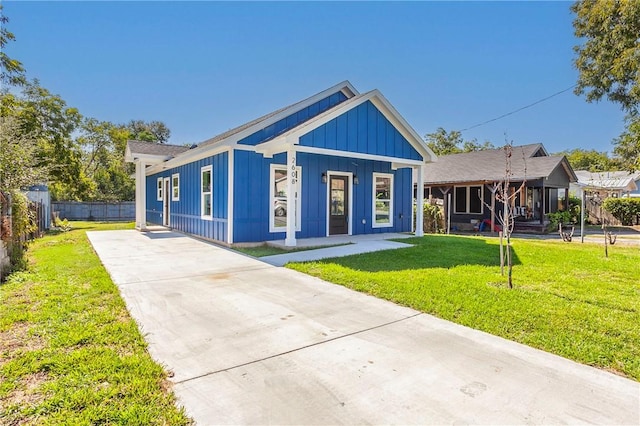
(141, 197)
(292, 197)
(543, 201)
(420, 204)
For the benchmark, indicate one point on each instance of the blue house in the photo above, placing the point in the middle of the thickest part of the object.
(337, 163)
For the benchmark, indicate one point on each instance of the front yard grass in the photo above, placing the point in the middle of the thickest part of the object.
(69, 351)
(568, 298)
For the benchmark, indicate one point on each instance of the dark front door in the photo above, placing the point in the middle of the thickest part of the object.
(339, 205)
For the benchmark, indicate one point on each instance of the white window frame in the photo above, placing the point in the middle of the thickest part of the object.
(175, 187)
(374, 224)
(272, 197)
(468, 199)
(203, 170)
(159, 186)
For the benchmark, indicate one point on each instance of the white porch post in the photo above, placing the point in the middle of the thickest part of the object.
(141, 201)
(420, 204)
(292, 198)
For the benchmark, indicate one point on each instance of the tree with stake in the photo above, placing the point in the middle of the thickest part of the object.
(506, 194)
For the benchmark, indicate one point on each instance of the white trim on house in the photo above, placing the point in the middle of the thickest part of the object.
(186, 158)
(397, 162)
(230, 187)
(159, 188)
(374, 223)
(280, 143)
(203, 170)
(231, 142)
(272, 198)
(175, 187)
(350, 176)
(166, 202)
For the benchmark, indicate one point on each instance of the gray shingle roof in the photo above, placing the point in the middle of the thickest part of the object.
(527, 162)
(153, 148)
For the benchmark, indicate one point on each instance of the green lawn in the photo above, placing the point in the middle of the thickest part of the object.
(568, 298)
(69, 351)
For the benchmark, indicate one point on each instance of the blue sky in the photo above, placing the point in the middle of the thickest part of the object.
(205, 67)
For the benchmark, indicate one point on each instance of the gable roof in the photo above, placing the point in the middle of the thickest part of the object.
(152, 150)
(268, 119)
(229, 139)
(278, 144)
(618, 180)
(528, 162)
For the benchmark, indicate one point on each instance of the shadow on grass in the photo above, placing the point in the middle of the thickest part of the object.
(430, 251)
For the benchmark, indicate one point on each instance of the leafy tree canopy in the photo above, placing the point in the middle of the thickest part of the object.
(591, 160)
(11, 70)
(608, 60)
(151, 131)
(442, 142)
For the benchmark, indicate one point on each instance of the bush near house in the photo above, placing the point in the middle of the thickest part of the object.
(626, 210)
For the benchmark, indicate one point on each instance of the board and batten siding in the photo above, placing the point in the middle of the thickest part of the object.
(363, 129)
(252, 204)
(293, 120)
(185, 214)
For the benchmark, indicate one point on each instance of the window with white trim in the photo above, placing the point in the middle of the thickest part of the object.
(206, 194)
(468, 199)
(278, 208)
(159, 189)
(382, 200)
(175, 187)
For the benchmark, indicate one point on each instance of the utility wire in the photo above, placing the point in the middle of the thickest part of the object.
(519, 109)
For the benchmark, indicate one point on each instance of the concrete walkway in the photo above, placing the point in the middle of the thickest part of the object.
(355, 244)
(250, 343)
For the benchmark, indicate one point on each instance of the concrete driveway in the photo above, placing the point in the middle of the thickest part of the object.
(252, 343)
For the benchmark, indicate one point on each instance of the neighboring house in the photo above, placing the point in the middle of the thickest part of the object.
(470, 178)
(598, 186)
(336, 163)
(606, 184)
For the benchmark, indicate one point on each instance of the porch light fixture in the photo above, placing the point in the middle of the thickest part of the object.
(356, 180)
(324, 177)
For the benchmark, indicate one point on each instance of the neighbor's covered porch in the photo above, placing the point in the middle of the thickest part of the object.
(468, 204)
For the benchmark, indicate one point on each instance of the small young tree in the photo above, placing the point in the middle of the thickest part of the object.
(505, 194)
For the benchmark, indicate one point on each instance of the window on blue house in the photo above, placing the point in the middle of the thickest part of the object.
(175, 187)
(278, 208)
(159, 189)
(382, 200)
(206, 192)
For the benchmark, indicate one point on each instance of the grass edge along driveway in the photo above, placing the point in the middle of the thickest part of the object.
(69, 351)
(568, 298)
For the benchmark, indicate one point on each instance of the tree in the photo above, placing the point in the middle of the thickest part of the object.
(18, 164)
(11, 70)
(591, 160)
(505, 194)
(152, 131)
(52, 123)
(103, 144)
(627, 145)
(442, 142)
(609, 63)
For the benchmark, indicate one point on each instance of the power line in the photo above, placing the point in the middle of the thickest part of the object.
(520, 109)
